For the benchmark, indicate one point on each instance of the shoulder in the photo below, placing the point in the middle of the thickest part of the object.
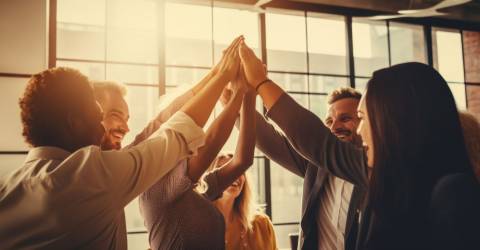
(450, 185)
(456, 195)
(261, 222)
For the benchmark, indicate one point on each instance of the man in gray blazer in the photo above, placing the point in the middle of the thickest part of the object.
(310, 149)
(327, 214)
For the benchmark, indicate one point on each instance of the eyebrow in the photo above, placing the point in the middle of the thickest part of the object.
(119, 112)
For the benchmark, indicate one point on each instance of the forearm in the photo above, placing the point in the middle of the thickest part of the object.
(270, 92)
(201, 105)
(317, 144)
(216, 136)
(243, 157)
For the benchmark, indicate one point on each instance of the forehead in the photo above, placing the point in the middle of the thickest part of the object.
(115, 101)
(343, 106)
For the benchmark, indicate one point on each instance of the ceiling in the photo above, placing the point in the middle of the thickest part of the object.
(469, 12)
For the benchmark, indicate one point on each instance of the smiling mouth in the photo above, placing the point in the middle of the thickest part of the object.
(117, 135)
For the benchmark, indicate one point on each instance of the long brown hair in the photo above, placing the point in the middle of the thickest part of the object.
(417, 139)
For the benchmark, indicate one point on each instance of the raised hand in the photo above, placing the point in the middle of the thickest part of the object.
(230, 62)
(254, 68)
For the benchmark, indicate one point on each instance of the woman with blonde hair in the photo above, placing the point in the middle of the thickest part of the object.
(471, 134)
(245, 226)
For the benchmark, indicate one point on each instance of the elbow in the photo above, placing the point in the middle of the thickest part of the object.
(244, 163)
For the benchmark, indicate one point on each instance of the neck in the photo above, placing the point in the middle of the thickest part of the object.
(225, 205)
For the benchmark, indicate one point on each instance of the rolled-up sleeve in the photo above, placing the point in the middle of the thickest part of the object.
(135, 169)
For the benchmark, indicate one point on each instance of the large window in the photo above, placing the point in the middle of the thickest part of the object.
(448, 60)
(155, 45)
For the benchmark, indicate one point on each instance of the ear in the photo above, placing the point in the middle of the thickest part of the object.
(73, 124)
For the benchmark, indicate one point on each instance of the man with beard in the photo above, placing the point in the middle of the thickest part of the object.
(328, 206)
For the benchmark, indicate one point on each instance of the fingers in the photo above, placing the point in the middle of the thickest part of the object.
(234, 45)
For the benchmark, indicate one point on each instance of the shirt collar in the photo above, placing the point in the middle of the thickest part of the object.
(50, 153)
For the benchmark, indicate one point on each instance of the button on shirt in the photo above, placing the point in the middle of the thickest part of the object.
(63, 200)
(332, 213)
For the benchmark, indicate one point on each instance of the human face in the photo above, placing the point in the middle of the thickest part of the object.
(235, 189)
(342, 119)
(365, 130)
(115, 118)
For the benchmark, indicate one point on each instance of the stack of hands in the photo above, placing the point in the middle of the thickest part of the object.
(242, 68)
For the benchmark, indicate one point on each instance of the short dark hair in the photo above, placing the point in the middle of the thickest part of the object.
(48, 98)
(342, 93)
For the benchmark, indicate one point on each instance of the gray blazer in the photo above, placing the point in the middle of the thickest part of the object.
(309, 150)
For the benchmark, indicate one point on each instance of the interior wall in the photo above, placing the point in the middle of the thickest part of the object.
(23, 50)
(471, 49)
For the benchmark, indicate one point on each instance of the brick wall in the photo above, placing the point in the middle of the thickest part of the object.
(471, 48)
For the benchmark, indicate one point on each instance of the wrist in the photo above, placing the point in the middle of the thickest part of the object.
(261, 83)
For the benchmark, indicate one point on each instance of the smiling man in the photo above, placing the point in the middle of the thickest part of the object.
(329, 204)
(111, 95)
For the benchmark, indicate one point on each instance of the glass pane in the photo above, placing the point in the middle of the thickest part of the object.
(370, 46)
(132, 74)
(88, 12)
(136, 15)
(188, 31)
(78, 41)
(143, 103)
(132, 46)
(94, 71)
(132, 31)
(180, 76)
(290, 82)
(458, 91)
(282, 232)
(326, 84)
(327, 56)
(286, 194)
(283, 52)
(318, 105)
(9, 163)
(301, 99)
(447, 54)
(138, 241)
(11, 90)
(361, 84)
(256, 175)
(134, 220)
(230, 23)
(407, 43)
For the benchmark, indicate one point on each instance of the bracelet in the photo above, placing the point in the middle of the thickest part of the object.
(261, 83)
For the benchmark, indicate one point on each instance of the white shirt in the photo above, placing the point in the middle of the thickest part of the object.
(332, 213)
(63, 200)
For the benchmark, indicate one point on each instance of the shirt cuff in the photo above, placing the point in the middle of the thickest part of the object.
(185, 126)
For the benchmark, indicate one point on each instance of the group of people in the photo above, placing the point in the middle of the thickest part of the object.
(393, 168)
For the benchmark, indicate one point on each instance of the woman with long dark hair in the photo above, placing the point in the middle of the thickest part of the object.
(414, 142)
(418, 185)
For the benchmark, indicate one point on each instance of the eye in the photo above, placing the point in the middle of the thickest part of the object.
(345, 119)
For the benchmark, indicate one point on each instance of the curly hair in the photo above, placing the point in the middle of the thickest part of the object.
(48, 98)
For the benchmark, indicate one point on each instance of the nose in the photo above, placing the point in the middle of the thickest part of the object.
(334, 126)
(124, 127)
